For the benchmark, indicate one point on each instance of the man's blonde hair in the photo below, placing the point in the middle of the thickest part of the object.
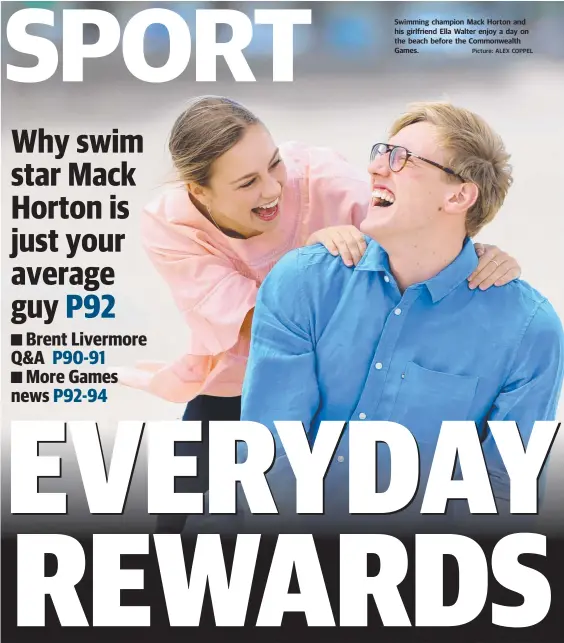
(474, 151)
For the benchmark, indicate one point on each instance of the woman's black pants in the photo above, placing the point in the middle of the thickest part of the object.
(204, 409)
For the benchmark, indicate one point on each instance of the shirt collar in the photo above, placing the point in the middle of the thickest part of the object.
(376, 259)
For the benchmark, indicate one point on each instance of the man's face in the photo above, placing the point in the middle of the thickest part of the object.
(416, 199)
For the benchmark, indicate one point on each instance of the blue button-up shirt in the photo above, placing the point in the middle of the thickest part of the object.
(331, 342)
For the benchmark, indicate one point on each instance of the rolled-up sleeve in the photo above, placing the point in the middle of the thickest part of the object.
(281, 380)
(214, 300)
(531, 393)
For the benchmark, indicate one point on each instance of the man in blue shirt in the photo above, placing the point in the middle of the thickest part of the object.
(401, 336)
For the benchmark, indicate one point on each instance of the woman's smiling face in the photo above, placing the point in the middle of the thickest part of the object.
(245, 185)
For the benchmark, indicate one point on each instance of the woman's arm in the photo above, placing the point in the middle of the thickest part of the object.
(216, 302)
(213, 297)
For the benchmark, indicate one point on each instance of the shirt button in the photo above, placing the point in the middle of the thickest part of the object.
(397, 311)
(341, 458)
(378, 366)
(386, 279)
(362, 416)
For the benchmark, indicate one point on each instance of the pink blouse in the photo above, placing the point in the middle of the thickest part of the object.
(214, 278)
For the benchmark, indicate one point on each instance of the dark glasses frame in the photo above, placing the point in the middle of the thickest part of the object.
(377, 151)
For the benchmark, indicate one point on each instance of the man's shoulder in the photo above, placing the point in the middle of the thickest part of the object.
(521, 298)
(310, 275)
(316, 264)
(309, 261)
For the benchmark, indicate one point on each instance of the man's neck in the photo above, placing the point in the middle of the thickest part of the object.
(415, 261)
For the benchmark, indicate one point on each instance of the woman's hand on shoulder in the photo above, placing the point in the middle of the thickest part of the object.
(495, 268)
(344, 240)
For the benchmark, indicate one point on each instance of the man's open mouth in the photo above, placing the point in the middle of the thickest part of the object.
(382, 198)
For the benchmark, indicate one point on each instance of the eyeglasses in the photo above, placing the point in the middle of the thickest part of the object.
(399, 155)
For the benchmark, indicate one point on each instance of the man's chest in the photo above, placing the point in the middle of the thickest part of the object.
(407, 361)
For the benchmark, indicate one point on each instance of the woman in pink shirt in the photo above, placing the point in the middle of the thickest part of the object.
(243, 204)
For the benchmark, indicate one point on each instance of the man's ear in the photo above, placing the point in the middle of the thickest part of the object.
(463, 198)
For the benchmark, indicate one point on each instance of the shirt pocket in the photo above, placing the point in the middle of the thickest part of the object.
(428, 398)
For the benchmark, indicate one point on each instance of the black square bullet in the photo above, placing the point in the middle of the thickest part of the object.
(16, 377)
(17, 340)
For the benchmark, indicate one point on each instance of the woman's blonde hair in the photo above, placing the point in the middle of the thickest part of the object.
(206, 129)
(475, 151)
